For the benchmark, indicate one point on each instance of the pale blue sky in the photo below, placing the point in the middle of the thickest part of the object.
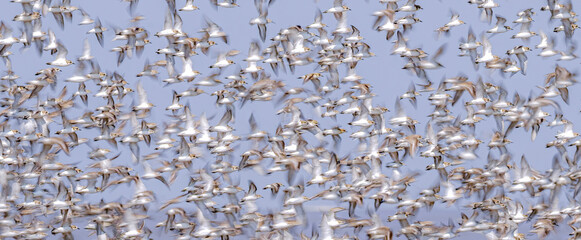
(383, 72)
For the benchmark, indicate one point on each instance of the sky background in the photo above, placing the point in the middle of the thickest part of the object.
(382, 71)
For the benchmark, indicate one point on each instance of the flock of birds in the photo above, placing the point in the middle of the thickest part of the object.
(95, 117)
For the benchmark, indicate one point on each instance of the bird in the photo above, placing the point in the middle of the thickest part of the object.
(98, 30)
(524, 32)
(61, 57)
(261, 20)
(189, 6)
(499, 27)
